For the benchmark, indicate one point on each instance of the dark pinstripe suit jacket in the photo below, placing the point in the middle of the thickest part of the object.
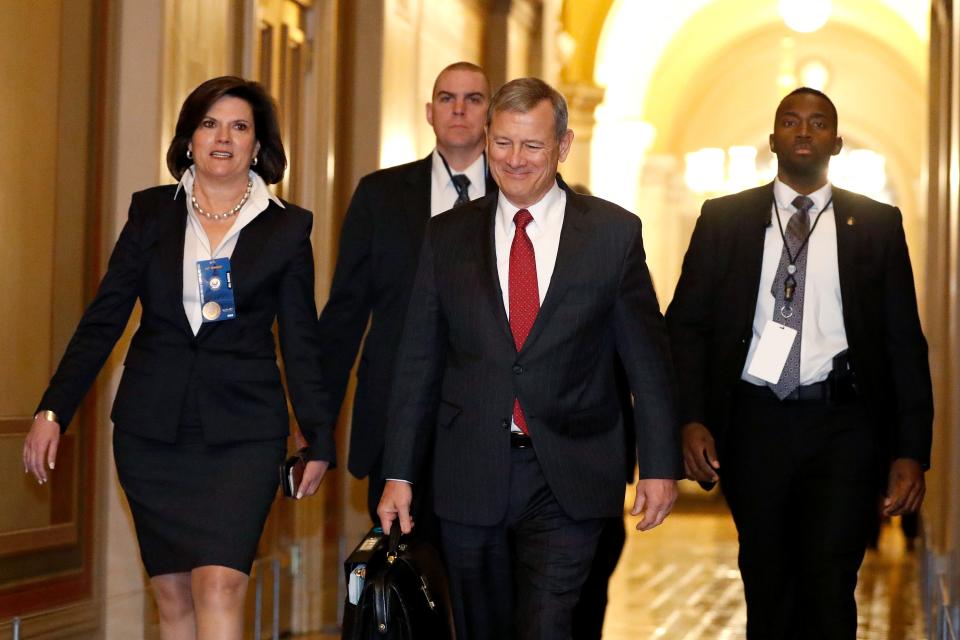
(379, 244)
(458, 370)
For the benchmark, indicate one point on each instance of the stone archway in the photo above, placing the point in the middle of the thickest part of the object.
(689, 74)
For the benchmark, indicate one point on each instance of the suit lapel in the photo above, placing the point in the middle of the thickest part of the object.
(844, 210)
(416, 199)
(250, 245)
(752, 233)
(572, 237)
(487, 254)
(170, 247)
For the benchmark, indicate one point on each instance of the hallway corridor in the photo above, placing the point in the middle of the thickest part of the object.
(680, 581)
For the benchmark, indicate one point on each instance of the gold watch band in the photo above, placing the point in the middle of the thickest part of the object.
(48, 415)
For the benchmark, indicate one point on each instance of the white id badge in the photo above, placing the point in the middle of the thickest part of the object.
(772, 351)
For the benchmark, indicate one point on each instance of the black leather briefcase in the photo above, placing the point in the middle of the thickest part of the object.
(396, 590)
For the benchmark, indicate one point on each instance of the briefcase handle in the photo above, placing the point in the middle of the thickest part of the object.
(393, 545)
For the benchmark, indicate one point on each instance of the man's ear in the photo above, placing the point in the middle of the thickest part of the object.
(429, 110)
(565, 143)
(837, 146)
(773, 146)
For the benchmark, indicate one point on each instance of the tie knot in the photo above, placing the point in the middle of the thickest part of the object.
(522, 219)
(461, 181)
(803, 204)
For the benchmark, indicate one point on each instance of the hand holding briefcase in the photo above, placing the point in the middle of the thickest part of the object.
(396, 589)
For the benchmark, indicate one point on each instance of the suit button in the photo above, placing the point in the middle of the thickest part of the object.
(517, 369)
(505, 423)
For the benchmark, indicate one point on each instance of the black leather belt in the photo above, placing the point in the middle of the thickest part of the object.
(520, 440)
(816, 392)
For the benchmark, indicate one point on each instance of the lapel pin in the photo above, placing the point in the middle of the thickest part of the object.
(851, 221)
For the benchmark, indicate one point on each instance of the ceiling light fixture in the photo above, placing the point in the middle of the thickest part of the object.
(805, 16)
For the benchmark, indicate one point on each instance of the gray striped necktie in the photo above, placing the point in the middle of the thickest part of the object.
(790, 313)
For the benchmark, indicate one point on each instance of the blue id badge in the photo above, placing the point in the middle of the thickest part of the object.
(216, 290)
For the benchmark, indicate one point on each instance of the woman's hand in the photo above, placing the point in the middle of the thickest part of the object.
(312, 477)
(40, 447)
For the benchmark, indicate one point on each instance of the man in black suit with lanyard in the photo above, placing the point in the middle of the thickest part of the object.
(379, 244)
(521, 304)
(803, 372)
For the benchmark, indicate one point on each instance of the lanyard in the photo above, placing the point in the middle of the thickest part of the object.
(790, 283)
(461, 190)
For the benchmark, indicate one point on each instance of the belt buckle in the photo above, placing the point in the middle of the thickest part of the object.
(520, 440)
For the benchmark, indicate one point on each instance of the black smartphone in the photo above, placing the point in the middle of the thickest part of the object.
(708, 485)
(291, 473)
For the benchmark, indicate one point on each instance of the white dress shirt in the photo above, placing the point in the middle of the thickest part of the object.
(196, 245)
(544, 234)
(442, 192)
(822, 334)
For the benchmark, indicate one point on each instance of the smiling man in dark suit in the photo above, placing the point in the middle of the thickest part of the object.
(522, 301)
(379, 244)
(804, 376)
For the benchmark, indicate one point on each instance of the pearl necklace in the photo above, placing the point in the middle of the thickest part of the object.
(227, 214)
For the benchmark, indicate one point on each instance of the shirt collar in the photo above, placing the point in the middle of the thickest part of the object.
(260, 189)
(541, 211)
(476, 171)
(785, 196)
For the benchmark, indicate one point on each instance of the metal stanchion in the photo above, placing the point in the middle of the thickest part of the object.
(258, 605)
(16, 629)
(947, 627)
(276, 599)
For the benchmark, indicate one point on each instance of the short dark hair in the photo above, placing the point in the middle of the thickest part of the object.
(814, 92)
(524, 94)
(461, 66)
(271, 159)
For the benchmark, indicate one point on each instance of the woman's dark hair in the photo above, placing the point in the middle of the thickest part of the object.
(271, 160)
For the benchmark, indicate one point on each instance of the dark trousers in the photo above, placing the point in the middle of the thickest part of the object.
(592, 607)
(520, 578)
(801, 480)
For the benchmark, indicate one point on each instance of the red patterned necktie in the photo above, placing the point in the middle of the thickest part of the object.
(524, 294)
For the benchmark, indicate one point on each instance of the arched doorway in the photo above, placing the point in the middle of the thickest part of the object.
(692, 74)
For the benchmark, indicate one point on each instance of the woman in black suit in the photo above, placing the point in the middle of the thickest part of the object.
(200, 415)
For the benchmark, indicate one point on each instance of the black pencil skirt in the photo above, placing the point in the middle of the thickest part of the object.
(194, 504)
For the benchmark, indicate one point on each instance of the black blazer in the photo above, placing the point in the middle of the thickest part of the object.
(240, 396)
(458, 370)
(711, 316)
(379, 244)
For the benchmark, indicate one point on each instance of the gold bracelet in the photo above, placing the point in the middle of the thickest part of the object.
(48, 415)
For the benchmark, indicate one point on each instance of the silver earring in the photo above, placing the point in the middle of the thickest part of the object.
(254, 163)
(189, 154)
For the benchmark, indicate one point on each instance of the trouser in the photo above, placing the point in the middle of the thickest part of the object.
(520, 578)
(590, 611)
(801, 480)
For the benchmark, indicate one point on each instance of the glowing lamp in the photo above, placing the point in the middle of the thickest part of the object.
(805, 16)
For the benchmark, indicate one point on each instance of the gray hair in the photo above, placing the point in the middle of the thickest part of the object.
(523, 94)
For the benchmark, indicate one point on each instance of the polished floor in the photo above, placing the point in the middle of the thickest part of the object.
(680, 582)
